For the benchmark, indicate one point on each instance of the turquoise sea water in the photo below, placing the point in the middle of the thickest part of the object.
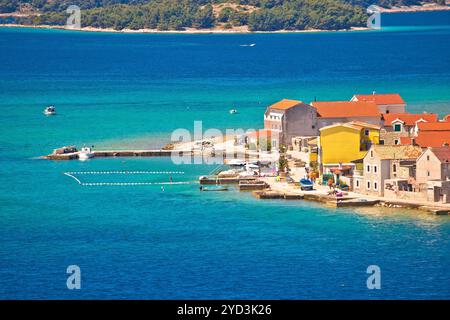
(116, 90)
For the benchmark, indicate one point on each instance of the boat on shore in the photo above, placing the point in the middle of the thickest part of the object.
(306, 184)
(50, 111)
(85, 153)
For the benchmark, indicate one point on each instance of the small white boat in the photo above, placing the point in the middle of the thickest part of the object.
(50, 111)
(85, 153)
(233, 111)
(250, 167)
(236, 163)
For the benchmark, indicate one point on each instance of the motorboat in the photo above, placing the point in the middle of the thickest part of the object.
(85, 153)
(233, 111)
(50, 111)
(251, 166)
(306, 184)
(236, 163)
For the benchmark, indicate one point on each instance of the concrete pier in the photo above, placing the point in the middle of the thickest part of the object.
(123, 153)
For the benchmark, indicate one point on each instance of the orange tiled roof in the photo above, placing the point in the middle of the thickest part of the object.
(381, 99)
(447, 118)
(409, 119)
(346, 109)
(405, 140)
(434, 126)
(284, 104)
(442, 153)
(434, 139)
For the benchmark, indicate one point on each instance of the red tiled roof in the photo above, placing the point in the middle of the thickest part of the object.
(405, 140)
(346, 109)
(381, 99)
(285, 104)
(434, 126)
(434, 139)
(442, 153)
(409, 119)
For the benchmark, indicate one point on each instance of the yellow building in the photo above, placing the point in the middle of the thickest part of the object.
(342, 143)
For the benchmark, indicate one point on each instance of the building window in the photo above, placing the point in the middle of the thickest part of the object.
(375, 186)
(375, 169)
(394, 168)
(397, 127)
(366, 132)
(396, 142)
(368, 185)
(368, 168)
(428, 158)
(371, 153)
(428, 173)
(382, 142)
(357, 183)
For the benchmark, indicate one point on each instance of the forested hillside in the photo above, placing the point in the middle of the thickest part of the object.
(257, 15)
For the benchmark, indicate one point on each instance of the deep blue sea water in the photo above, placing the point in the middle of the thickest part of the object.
(117, 90)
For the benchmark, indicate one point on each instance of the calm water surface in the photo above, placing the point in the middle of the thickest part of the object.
(115, 90)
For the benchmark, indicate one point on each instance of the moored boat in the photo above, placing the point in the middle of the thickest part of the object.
(85, 153)
(306, 184)
(236, 163)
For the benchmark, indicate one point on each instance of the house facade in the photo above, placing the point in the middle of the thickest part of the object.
(433, 168)
(291, 118)
(434, 164)
(386, 103)
(402, 125)
(382, 163)
(342, 143)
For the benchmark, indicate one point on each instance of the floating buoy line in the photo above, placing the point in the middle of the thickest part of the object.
(123, 172)
(73, 174)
